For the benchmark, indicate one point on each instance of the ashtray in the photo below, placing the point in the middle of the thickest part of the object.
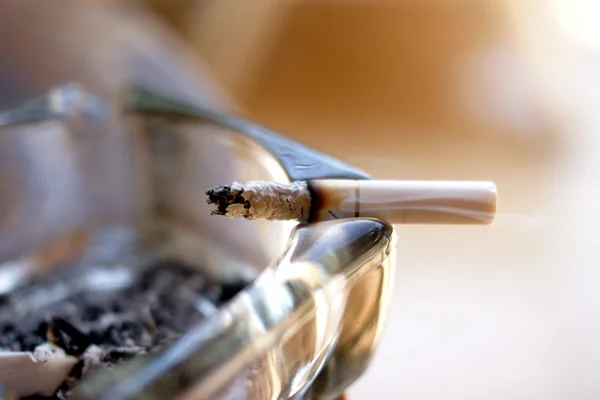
(117, 282)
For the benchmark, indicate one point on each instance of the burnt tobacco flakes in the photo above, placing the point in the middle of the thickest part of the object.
(128, 322)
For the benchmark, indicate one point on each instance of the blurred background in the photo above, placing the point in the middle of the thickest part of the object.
(501, 90)
(469, 89)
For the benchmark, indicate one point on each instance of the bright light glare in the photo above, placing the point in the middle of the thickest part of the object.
(580, 20)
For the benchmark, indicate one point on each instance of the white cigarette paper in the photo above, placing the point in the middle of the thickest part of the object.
(397, 202)
(37, 373)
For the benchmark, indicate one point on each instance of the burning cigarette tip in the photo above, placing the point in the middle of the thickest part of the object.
(222, 197)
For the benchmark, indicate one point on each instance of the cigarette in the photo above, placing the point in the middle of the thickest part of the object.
(38, 373)
(396, 202)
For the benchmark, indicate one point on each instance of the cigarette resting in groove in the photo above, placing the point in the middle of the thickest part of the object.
(397, 202)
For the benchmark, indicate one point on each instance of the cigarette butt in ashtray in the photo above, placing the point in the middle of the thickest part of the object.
(40, 372)
(397, 202)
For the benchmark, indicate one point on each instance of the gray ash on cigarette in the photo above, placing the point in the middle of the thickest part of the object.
(223, 197)
(262, 200)
(103, 329)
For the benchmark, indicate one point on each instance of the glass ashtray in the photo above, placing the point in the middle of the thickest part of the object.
(115, 280)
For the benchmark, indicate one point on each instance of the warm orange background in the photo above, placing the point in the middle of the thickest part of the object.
(473, 89)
